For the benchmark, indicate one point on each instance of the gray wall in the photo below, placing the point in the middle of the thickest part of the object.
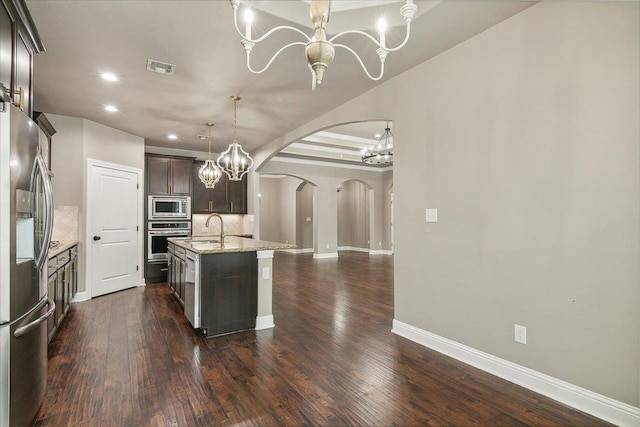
(277, 204)
(304, 210)
(353, 215)
(525, 138)
(77, 140)
(270, 207)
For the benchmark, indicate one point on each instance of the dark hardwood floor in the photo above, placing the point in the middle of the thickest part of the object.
(131, 359)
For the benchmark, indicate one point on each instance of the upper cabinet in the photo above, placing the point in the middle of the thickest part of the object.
(238, 196)
(48, 130)
(168, 176)
(19, 41)
(226, 197)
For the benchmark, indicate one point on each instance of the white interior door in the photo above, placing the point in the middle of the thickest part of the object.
(113, 240)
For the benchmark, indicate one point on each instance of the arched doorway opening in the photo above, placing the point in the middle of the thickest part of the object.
(286, 210)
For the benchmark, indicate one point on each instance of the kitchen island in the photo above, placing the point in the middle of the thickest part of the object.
(224, 287)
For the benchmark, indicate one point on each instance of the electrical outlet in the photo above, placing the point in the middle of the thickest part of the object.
(286, 241)
(327, 246)
(431, 215)
(265, 273)
(204, 229)
(520, 334)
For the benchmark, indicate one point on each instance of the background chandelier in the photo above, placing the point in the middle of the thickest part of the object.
(209, 173)
(382, 153)
(235, 162)
(320, 51)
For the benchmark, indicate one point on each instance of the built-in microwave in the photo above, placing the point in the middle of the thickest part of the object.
(169, 207)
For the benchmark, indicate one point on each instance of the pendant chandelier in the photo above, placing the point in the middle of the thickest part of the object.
(235, 162)
(320, 51)
(209, 173)
(382, 153)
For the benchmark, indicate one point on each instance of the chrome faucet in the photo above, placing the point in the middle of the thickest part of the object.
(221, 226)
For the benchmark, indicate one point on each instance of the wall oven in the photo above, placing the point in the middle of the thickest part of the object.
(159, 232)
(169, 208)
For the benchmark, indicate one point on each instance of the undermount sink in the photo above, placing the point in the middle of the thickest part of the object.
(205, 245)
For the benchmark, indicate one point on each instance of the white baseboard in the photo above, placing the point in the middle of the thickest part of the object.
(352, 248)
(81, 296)
(380, 252)
(327, 255)
(264, 322)
(297, 251)
(143, 282)
(600, 406)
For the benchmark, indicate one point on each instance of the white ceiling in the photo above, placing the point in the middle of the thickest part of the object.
(86, 38)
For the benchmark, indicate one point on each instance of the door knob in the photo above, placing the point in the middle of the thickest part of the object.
(97, 237)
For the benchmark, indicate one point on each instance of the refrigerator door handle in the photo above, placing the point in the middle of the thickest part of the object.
(41, 167)
(24, 329)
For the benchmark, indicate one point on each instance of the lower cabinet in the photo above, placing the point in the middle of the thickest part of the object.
(219, 292)
(177, 268)
(155, 272)
(62, 286)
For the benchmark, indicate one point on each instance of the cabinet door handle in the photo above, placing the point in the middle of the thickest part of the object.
(210, 207)
(232, 207)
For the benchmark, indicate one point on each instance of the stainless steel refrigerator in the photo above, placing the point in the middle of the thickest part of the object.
(26, 219)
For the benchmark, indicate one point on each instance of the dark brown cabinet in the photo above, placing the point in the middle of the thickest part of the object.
(19, 41)
(238, 196)
(47, 128)
(226, 197)
(6, 47)
(168, 176)
(63, 285)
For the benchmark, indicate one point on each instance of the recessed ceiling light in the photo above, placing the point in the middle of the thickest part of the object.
(111, 108)
(109, 77)
(378, 135)
(172, 136)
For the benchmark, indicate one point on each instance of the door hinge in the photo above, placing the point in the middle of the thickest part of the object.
(138, 186)
(137, 228)
(137, 267)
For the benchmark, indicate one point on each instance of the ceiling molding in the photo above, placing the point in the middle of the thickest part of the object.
(283, 159)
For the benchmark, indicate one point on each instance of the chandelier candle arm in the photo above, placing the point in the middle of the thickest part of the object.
(247, 36)
(381, 54)
(373, 39)
(319, 51)
(248, 50)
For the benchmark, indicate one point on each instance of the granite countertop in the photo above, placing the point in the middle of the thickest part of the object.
(63, 246)
(211, 244)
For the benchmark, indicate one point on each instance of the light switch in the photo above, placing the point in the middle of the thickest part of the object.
(308, 219)
(265, 273)
(432, 215)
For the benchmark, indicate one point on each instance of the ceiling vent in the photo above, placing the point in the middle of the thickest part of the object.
(160, 67)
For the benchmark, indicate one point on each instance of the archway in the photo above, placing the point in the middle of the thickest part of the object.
(286, 210)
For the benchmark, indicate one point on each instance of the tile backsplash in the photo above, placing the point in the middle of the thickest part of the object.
(233, 224)
(65, 223)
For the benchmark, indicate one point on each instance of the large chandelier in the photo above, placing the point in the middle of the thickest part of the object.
(235, 162)
(320, 51)
(209, 173)
(382, 153)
